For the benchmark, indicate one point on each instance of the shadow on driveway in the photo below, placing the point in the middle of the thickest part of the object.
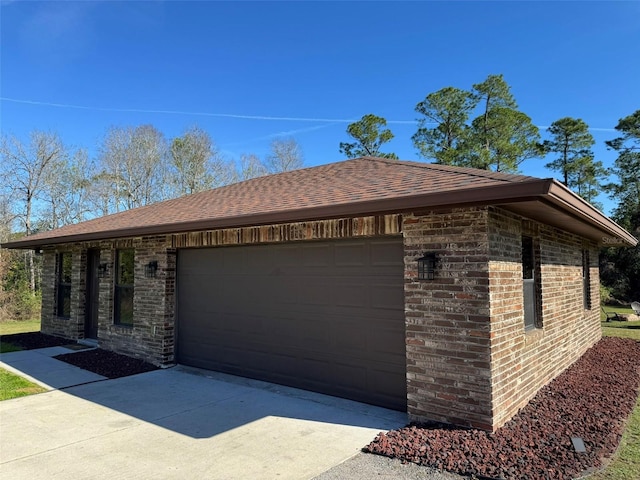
(201, 403)
(183, 423)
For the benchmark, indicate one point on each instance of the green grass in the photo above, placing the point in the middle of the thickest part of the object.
(608, 309)
(626, 462)
(620, 329)
(8, 347)
(9, 327)
(14, 386)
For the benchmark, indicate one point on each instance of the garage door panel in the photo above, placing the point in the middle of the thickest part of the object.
(351, 342)
(289, 255)
(326, 316)
(387, 296)
(350, 377)
(317, 255)
(317, 291)
(348, 293)
(351, 254)
(385, 253)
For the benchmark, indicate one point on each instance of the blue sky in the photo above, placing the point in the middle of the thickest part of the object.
(248, 72)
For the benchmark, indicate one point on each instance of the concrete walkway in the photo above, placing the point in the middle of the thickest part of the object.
(175, 423)
(38, 367)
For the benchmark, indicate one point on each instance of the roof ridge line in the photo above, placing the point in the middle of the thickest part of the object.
(450, 168)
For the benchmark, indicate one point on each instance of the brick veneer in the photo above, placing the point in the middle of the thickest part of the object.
(469, 359)
(448, 318)
(523, 362)
(152, 335)
(72, 327)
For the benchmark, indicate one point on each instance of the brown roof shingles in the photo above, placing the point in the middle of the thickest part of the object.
(288, 196)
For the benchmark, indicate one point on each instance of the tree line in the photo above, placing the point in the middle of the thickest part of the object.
(45, 184)
(483, 128)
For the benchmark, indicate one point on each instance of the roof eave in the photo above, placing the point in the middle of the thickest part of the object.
(534, 190)
(569, 201)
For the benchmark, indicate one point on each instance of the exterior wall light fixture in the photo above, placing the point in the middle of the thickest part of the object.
(427, 266)
(150, 269)
(103, 270)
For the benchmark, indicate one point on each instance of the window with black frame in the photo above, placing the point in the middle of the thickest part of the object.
(586, 280)
(529, 283)
(63, 303)
(123, 295)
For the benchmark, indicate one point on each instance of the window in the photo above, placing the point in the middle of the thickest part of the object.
(529, 283)
(586, 280)
(63, 304)
(123, 297)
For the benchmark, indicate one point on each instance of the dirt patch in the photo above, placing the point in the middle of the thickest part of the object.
(591, 401)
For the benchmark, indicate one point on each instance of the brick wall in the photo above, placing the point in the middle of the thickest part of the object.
(50, 322)
(447, 319)
(290, 232)
(469, 359)
(524, 361)
(151, 337)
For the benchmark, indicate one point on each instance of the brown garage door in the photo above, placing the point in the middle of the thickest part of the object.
(322, 316)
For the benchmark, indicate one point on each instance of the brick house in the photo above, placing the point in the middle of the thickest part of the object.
(310, 278)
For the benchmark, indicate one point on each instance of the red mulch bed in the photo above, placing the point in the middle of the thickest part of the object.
(103, 362)
(591, 400)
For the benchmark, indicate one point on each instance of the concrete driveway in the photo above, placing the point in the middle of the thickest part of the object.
(181, 423)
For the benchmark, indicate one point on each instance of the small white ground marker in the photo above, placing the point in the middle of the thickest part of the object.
(578, 444)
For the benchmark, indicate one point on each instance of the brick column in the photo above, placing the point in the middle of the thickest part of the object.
(447, 319)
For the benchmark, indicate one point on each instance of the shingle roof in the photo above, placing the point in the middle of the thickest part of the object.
(357, 186)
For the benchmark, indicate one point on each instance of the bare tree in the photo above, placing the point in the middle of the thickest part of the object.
(24, 170)
(285, 155)
(134, 163)
(6, 220)
(67, 190)
(197, 163)
(101, 196)
(250, 166)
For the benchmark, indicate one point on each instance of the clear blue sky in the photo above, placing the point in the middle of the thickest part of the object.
(307, 69)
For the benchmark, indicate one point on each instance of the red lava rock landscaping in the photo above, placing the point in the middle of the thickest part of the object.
(590, 400)
(106, 363)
